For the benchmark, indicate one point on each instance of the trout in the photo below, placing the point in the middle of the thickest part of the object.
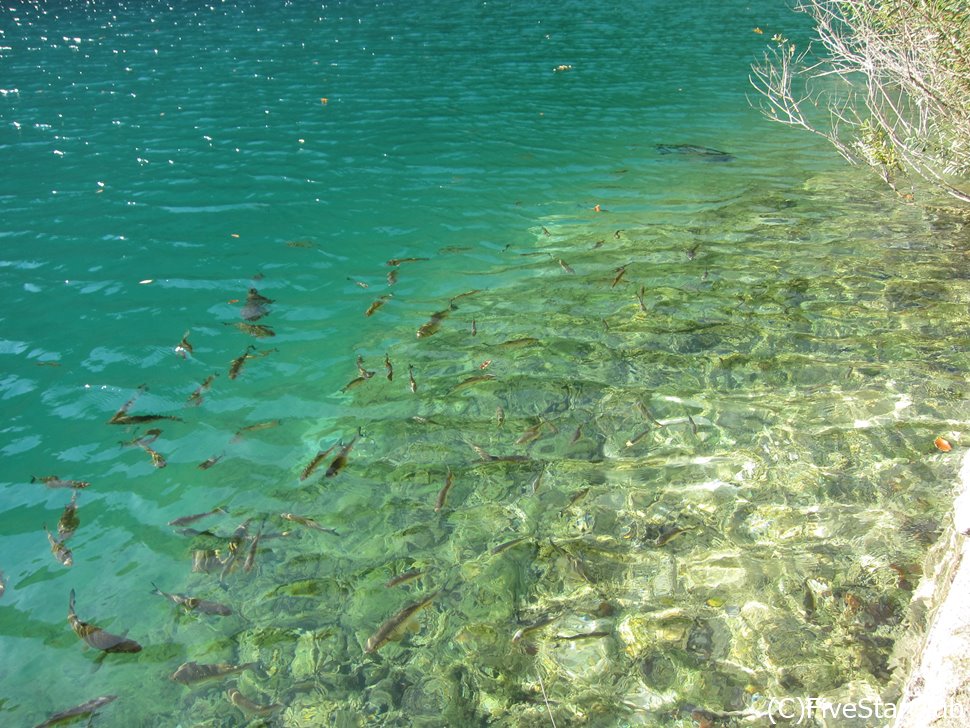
(69, 521)
(317, 459)
(194, 604)
(52, 481)
(84, 710)
(195, 399)
(341, 460)
(97, 637)
(308, 522)
(61, 552)
(394, 625)
(247, 706)
(443, 493)
(190, 673)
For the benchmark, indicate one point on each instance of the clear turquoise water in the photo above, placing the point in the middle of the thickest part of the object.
(801, 342)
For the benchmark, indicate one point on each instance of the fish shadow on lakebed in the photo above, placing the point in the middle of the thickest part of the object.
(691, 150)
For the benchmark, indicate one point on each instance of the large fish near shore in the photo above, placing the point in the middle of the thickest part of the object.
(692, 150)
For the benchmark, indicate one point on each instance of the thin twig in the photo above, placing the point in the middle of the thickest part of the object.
(545, 698)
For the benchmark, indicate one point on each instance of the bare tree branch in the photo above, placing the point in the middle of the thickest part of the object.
(894, 77)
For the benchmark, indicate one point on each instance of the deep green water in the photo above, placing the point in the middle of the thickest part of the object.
(723, 487)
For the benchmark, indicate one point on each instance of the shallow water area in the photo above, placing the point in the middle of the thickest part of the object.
(657, 433)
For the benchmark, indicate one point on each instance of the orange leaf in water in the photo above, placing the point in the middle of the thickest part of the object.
(942, 445)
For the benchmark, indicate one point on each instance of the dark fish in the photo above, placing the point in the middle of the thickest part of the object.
(147, 439)
(692, 150)
(300, 244)
(185, 520)
(237, 538)
(253, 548)
(474, 328)
(576, 496)
(97, 637)
(693, 425)
(498, 458)
(61, 552)
(190, 673)
(507, 545)
(545, 230)
(84, 710)
(267, 425)
(259, 331)
(412, 383)
(533, 432)
(308, 522)
(194, 604)
(576, 435)
(355, 382)
(565, 266)
(69, 520)
(122, 419)
(237, 364)
(157, 460)
(583, 636)
(255, 307)
(396, 624)
(518, 343)
(669, 534)
(196, 532)
(394, 262)
(639, 436)
(538, 480)
(692, 252)
(640, 299)
(127, 405)
(642, 408)
(361, 370)
(195, 398)
(52, 481)
(499, 416)
(443, 493)
(341, 460)
(538, 624)
(403, 578)
(3, 584)
(206, 464)
(433, 324)
(254, 296)
(392, 277)
(619, 274)
(377, 304)
(247, 706)
(472, 381)
(312, 465)
(205, 561)
(388, 368)
(184, 348)
(451, 301)
(359, 283)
